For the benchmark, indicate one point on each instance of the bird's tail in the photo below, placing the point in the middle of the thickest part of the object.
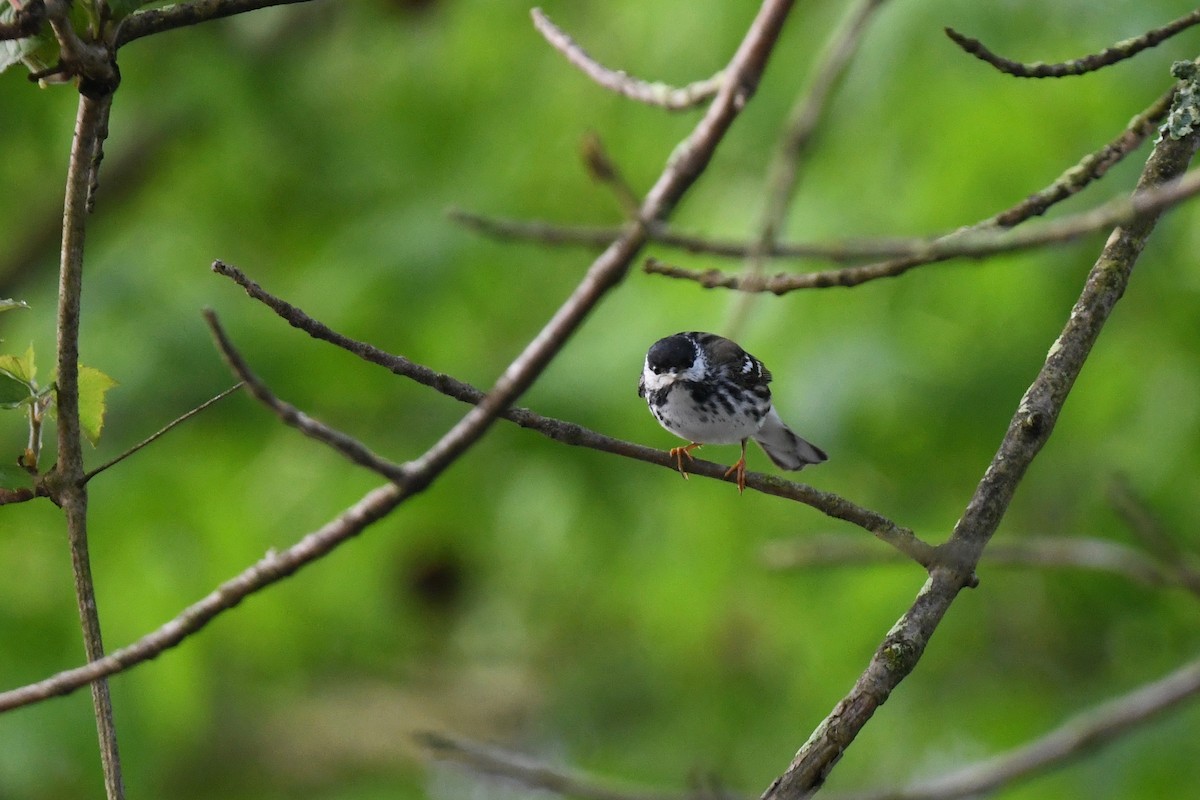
(785, 448)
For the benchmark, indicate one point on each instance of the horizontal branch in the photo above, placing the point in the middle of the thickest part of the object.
(526, 771)
(1039, 552)
(969, 243)
(903, 539)
(655, 94)
(1073, 180)
(180, 15)
(1120, 51)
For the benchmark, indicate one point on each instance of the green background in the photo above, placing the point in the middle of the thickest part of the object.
(594, 612)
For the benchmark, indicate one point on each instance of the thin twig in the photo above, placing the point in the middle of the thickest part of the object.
(1120, 51)
(1027, 433)
(814, 552)
(1149, 529)
(655, 94)
(1076, 737)
(783, 174)
(351, 448)
(967, 243)
(899, 537)
(161, 432)
(687, 161)
(1071, 181)
(604, 170)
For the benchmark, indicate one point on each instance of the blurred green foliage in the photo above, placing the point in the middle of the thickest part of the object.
(595, 612)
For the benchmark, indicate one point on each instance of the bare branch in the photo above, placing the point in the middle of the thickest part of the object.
(1079, 66)
(1027, 432)
(67, 485)
(1073, 180)
(903, 539)
(272, 568)
(655, 94)
(1090, 168)
(604, 170)
(1147, 527)
(1076, 737)
(783, 174)
(526, 771)
(351, 448)
(687, 162)
(969, 243)
(1083, 733)
(157, 20)
(161, 432)
(1043, 552)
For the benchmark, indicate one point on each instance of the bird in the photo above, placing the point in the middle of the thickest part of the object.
(706, 389)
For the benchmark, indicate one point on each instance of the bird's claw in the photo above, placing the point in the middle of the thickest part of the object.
(678, 453)
(740, 469)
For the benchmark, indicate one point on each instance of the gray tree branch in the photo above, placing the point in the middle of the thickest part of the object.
(685, 165)
(1028, 431)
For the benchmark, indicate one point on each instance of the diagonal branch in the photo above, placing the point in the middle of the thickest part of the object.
(783, 174)
(687, 161)
(180, 15)
(1028, 431)
(654, 94)
(1073, 180)
(272, 568)
(1074, 738)
(685, 165)
(1079, 66)
(901, 538)
(353, 450)
(161, 432)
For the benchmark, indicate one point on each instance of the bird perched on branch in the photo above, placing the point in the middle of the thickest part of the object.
(708, 390)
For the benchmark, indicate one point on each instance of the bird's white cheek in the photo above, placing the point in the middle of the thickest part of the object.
(655, 382)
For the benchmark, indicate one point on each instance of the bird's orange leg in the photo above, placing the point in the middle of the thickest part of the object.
(740, 469)
(678, 453)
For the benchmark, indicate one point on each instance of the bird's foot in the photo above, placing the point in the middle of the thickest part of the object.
(740, 469)
(678, 453)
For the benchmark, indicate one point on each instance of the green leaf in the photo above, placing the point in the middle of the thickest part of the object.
(23, 368)
(16, 379)
(13, 391)
(9, 305)
(93, 386)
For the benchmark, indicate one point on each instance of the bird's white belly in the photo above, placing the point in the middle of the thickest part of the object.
(709, 425)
